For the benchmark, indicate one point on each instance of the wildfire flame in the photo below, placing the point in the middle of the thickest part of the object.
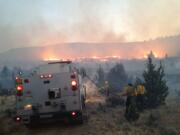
(55, 55)
(49, 55)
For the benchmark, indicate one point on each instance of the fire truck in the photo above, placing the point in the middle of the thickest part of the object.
(53, 91)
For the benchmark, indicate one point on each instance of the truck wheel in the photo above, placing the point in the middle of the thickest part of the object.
(80, 119)
(29, 125)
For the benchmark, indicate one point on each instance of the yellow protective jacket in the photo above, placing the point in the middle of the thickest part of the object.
(140, 90)
(130, 91)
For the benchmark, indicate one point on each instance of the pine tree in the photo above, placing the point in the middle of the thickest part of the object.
(5, 72)
(117, 77)
(100, 77)
(155, 84)
(83, 72)
(0, 88)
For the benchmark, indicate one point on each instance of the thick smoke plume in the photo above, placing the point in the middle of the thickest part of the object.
(25, 24)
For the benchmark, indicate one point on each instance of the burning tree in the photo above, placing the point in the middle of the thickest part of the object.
(155, 84)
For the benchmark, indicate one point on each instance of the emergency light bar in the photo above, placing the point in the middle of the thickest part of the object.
(46, 76)
(59, 62)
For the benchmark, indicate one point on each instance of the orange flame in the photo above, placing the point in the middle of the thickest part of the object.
(49, 55)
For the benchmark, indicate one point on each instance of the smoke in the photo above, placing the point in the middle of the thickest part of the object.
(152, 19)
(37, 30)
(91, 26)
(91, 89)
(34, 34)
(107, 21)
(12, 38)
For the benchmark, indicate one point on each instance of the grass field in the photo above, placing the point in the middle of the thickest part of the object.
(102, 120)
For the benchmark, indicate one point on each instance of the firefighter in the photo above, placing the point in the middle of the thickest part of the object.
(107, 88)
(140, 99)
(131, 112)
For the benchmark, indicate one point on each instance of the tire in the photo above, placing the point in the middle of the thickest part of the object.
(31, 124)
(80, 119)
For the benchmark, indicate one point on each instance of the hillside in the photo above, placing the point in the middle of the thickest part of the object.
(169, 45)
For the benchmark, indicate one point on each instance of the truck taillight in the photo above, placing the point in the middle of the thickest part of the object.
(19, 89)
(73, 114)
(17, 119)
(74, 85)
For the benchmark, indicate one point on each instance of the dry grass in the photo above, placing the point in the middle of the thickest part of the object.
(107, 121)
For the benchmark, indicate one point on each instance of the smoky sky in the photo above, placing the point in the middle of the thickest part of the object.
(38, 23)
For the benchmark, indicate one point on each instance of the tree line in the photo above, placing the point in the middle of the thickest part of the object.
(153, 78)
(7, 77)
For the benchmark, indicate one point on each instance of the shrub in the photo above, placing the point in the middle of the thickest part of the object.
(1, 128)
(153, 119)
(101, 107)
(100, 77)
(177, 92)
(168, 131)
(117, 77)
(114, 101)
(8, 112)
(2, 102)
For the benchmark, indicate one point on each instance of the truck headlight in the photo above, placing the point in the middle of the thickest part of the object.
(28, 107)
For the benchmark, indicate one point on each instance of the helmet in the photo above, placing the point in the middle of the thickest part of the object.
(130, 82)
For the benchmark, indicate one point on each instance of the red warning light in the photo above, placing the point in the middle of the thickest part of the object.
(17, 119)
(73, 113)
(19, 88)
(73, 83)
